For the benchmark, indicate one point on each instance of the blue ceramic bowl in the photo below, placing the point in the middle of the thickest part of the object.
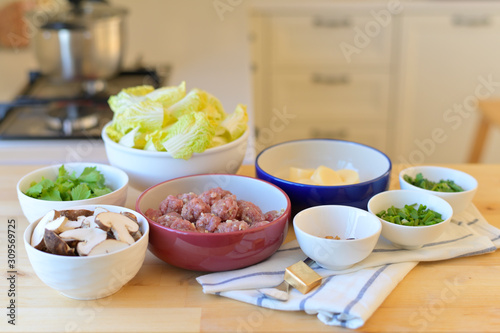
(373, 167)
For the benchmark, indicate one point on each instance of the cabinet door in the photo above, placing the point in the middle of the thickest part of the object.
(324, 95)
(328, 39)
(447, 63)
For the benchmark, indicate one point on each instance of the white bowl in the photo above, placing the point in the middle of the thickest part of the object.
(458, 200)
(34, 209)
(410, 237)
(313, 224)
(91, 277)
(148, 168)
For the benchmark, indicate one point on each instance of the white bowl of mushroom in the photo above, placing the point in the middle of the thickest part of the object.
(87, 252)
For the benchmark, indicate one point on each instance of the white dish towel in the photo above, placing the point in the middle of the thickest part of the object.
(348, 298)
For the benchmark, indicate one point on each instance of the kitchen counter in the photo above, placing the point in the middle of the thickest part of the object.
(459, 295)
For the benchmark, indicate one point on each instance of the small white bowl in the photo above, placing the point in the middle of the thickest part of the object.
(34, 209)
(93, 277)
(147, 168)
(313, 224)
(458, 200)
(410, 237)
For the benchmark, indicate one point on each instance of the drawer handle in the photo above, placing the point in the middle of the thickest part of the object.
(340, 133)
(334, 23)
(471, 21)
(330, 80)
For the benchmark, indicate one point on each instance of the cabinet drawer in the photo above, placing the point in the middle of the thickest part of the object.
(338, 96)
(328, 40)
(374, 135)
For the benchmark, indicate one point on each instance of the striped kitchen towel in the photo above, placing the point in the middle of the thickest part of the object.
(348, 298)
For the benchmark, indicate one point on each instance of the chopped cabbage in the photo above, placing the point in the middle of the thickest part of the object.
(134, 139)
(236, 122)
(192, 133)
(169, 119)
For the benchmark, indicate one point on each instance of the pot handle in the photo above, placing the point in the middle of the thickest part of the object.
(63, 26)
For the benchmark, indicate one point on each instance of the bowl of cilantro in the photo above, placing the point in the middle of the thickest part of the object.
(410, 219)
(61, 186)
(456, 187)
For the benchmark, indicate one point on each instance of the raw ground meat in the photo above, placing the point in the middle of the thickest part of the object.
(249, 212)
(213, 195)
(153, 214)
(175, 221)
(171, 204)
(232, 225)
(226, 208)
(271, 215)
(192, 210)
(258, 224)
(181, 224)
(213, 211)
(186, 197)
(207, 222)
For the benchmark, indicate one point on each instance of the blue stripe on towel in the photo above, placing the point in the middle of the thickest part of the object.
(303, 302)
(364, 289)
(244, 277)
(483, 251)
(473, 222)
(448, 241)
(427, 245)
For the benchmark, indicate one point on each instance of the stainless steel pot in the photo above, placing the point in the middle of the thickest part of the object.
(85, 42)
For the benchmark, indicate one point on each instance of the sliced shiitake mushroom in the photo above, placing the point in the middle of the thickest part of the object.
(88, 238)
(72, 214)
(56, 245)
(38, 233)
(84, 232)
(121, 226)
(108, 246)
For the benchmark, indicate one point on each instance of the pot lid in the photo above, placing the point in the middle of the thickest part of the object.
(80, 13)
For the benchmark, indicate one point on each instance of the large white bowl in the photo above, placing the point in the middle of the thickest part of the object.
(91, 277)
(458, 200)
(410, 237)
(313, 224)
(148, 168)
(33, 208)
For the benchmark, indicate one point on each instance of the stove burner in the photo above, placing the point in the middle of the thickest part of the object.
(94, 87)
(71, 117)
(46, 110)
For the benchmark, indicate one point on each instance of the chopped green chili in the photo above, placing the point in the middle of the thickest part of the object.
(411, 216)
(441, 186)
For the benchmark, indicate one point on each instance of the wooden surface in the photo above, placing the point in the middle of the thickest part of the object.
(459, 295)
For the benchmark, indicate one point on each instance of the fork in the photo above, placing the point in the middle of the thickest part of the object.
(281, 291)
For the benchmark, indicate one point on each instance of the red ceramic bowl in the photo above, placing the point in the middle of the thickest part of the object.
(212, 252)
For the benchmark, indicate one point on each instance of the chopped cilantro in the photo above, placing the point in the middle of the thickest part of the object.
(67, 187)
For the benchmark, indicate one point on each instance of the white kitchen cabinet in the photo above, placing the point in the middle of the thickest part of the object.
(335, 95)
(303, 67)
(410, 90)
(317, 39)
(447, 61)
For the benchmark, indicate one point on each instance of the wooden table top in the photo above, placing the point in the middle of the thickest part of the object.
(459, 295)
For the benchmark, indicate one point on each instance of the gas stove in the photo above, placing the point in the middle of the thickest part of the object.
(48, 110)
